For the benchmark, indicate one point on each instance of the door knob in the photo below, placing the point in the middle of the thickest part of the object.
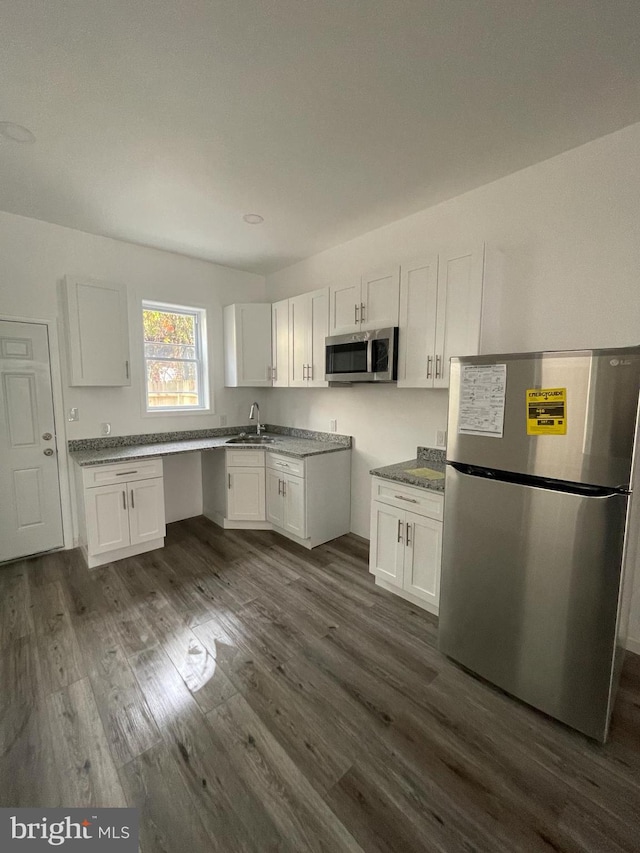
(47, 436)
(48, 452)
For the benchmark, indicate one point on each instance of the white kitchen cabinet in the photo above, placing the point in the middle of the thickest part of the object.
(306, 499)
(371, 303)
(286, 495)
(459, 313)
(440, 315)
(417, 326)
(406, 543)
(247, 345)
(121, 510)
(308, 328)
(246, 496)
(280, 343)
(97, 332)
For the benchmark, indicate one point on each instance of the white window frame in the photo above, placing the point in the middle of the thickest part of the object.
(202, 359)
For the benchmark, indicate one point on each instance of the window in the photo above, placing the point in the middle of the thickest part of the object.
(175, 358)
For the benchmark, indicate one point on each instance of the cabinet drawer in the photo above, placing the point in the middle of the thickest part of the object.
(286, 464)
(245, 458)
(122, 472)
(420, 501)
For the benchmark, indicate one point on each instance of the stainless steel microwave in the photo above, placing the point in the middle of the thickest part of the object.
(362, 356)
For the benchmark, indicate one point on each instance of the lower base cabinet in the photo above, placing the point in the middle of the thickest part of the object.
(406, 544)
(121, 510)
(306, 499)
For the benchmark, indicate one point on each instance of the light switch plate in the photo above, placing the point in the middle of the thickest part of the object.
(441, 438)
(333, 425)
(105, 429)
(223, 420)
(73, 414)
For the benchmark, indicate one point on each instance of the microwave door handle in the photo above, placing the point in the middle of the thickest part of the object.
(370, 356)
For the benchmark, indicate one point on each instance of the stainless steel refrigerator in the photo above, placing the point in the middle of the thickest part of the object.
(539, 536)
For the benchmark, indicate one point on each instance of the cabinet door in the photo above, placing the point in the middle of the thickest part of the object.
(247, 344)
(299, 339)
(459, 308)
(387, 543)
(107, 518)
(344, 308)
(417, 332)
(280, 343)
(98, 333)
(246, 494)
(146, 510)
(275, 498)
(295, 517)
(422, 557)
(379, 300)
(319, 309)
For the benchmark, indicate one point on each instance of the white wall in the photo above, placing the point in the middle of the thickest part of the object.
(35, 256)
(569, 229)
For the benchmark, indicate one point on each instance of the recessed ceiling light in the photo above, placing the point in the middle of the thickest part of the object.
(253, 218)
(16, 133)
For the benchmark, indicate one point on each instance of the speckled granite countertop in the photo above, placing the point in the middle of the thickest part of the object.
(427, 457)
(293, 442)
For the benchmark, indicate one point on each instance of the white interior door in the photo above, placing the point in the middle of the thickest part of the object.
(30, 510)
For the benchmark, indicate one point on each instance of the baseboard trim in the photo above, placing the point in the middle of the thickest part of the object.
(633, 646)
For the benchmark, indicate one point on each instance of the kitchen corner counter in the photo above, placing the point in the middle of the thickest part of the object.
(293, 442)
(404, 472)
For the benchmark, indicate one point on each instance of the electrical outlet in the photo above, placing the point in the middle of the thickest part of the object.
(333, 425)
(223, 420)
(73, 414)
(441, 438)
(105, 429)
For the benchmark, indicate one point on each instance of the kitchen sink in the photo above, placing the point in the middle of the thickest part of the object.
(251, 439)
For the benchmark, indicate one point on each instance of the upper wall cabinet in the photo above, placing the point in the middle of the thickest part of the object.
(371, 303)
(440, 315)
(97, 326)
(280, 343)
(308, 327)
(247, 345)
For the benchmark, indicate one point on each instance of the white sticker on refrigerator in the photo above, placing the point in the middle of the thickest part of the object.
(482, 395)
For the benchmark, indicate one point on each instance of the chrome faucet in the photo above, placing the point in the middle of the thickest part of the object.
(254, 414)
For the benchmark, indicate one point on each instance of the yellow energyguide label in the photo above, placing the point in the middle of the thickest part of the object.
(547, 411)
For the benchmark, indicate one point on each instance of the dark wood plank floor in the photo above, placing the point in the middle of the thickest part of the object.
(248, 695)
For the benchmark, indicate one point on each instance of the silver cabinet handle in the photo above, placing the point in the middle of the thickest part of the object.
(310, 374)
(284, 488)
(429, 363)
(133, 503)
(124, 500)
(126, 368)
(279, 485)
(438, 371)
(356, 314)
(48, 452)
(362, 307)
(229, 481)
(402, 498)
(125, 473)
(399, 531)
(409, 542)
(47, 436)
(304, 371)
(283, 464)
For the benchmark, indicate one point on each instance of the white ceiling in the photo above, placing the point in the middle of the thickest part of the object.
(162, 122)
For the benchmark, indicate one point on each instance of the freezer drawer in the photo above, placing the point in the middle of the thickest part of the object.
(529, 592)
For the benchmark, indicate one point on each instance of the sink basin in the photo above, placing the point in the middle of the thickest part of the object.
(251, 439)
